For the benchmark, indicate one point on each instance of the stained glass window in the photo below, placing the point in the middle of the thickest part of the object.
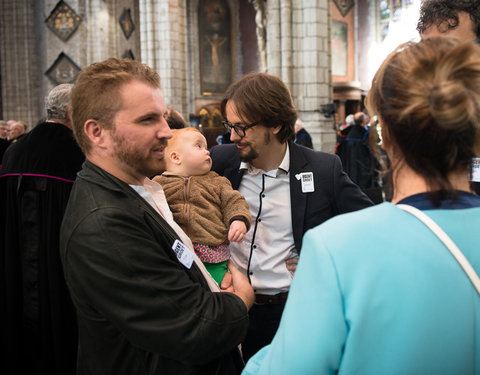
(384, 9)
(389, 11)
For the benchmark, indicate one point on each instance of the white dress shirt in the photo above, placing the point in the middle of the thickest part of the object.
(268, 243)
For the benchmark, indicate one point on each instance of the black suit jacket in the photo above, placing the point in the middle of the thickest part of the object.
(334, 192)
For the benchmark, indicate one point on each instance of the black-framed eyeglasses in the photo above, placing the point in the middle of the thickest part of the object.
(239, 129)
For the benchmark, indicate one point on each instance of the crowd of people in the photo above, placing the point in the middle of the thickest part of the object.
(10, 132)
(129, 247)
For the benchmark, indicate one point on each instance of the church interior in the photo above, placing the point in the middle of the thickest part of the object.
(326, 51)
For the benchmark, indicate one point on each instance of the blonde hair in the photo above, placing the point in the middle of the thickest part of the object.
(96, 94)
(176, 133)
(427, 95)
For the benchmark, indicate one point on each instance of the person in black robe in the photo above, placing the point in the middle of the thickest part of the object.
(3, 147)
(302, 137)
(357, 150)
(39, 333)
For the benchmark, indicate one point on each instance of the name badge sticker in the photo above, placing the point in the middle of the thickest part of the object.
(184, 255)
(476, 170)
(307, 182)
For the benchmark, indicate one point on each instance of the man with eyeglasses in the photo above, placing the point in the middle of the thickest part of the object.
(288, 187)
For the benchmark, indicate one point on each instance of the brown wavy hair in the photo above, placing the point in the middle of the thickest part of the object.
(96, 93)
(264, 98)
(427, 95)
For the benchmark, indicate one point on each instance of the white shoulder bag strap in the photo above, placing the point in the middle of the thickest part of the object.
(447, 241)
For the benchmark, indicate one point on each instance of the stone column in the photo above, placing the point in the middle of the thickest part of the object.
(163, 46)
(20, 48)
(29, 47)
(298, 45)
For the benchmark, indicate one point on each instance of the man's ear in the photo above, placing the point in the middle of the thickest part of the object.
(276, 129)
(95, 132)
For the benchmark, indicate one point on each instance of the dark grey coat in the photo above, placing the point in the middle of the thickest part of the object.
(140, 311)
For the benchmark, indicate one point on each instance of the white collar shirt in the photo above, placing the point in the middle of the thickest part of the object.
(268, 243)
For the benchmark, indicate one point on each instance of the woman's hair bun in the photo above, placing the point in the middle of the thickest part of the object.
(452, 105)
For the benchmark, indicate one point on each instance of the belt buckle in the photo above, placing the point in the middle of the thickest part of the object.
(273, 299)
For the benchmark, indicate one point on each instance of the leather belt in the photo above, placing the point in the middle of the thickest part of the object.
(275, 299)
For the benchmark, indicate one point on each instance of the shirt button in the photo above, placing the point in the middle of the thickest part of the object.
(259, 220)
(254, 246)
(251, 273)
(263, 195)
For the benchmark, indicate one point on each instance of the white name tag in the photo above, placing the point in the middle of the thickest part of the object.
(476, 169)
(184, 255)
(307, 181)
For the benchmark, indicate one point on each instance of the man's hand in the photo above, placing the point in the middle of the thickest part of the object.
(292, 261)
(241, 286)
(237, 231)
(227, 283)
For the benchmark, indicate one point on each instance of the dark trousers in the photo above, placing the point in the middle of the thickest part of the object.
(264, 321)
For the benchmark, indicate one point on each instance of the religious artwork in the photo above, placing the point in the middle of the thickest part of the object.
(63, 21)
(344, 6)
(63, 70)
(126, 23)
(397, 8)
(210, 123)
(384, 9)
(339, 48)
(261, 29)
(212, 118)
(215, 46)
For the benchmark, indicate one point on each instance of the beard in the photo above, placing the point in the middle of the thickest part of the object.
(136, 159)
(248, 155)
(251, 153)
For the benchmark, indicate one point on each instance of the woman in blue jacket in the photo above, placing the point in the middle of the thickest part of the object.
(376, 291)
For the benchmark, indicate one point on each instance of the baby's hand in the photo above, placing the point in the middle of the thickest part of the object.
(237, 231)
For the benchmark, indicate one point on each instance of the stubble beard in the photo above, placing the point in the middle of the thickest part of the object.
(134, 158)
(251, 154)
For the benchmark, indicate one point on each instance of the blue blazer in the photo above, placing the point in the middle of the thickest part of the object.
(334, 193)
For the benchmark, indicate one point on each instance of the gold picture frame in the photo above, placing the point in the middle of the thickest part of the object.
(63, 21)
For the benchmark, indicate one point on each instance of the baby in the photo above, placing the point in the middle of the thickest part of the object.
(203, 203)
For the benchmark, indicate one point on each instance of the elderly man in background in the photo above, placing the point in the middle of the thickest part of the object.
(40, 333)
(15, 131)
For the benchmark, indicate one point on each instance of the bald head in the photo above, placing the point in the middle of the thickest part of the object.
(359, 118)
(15, 130)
